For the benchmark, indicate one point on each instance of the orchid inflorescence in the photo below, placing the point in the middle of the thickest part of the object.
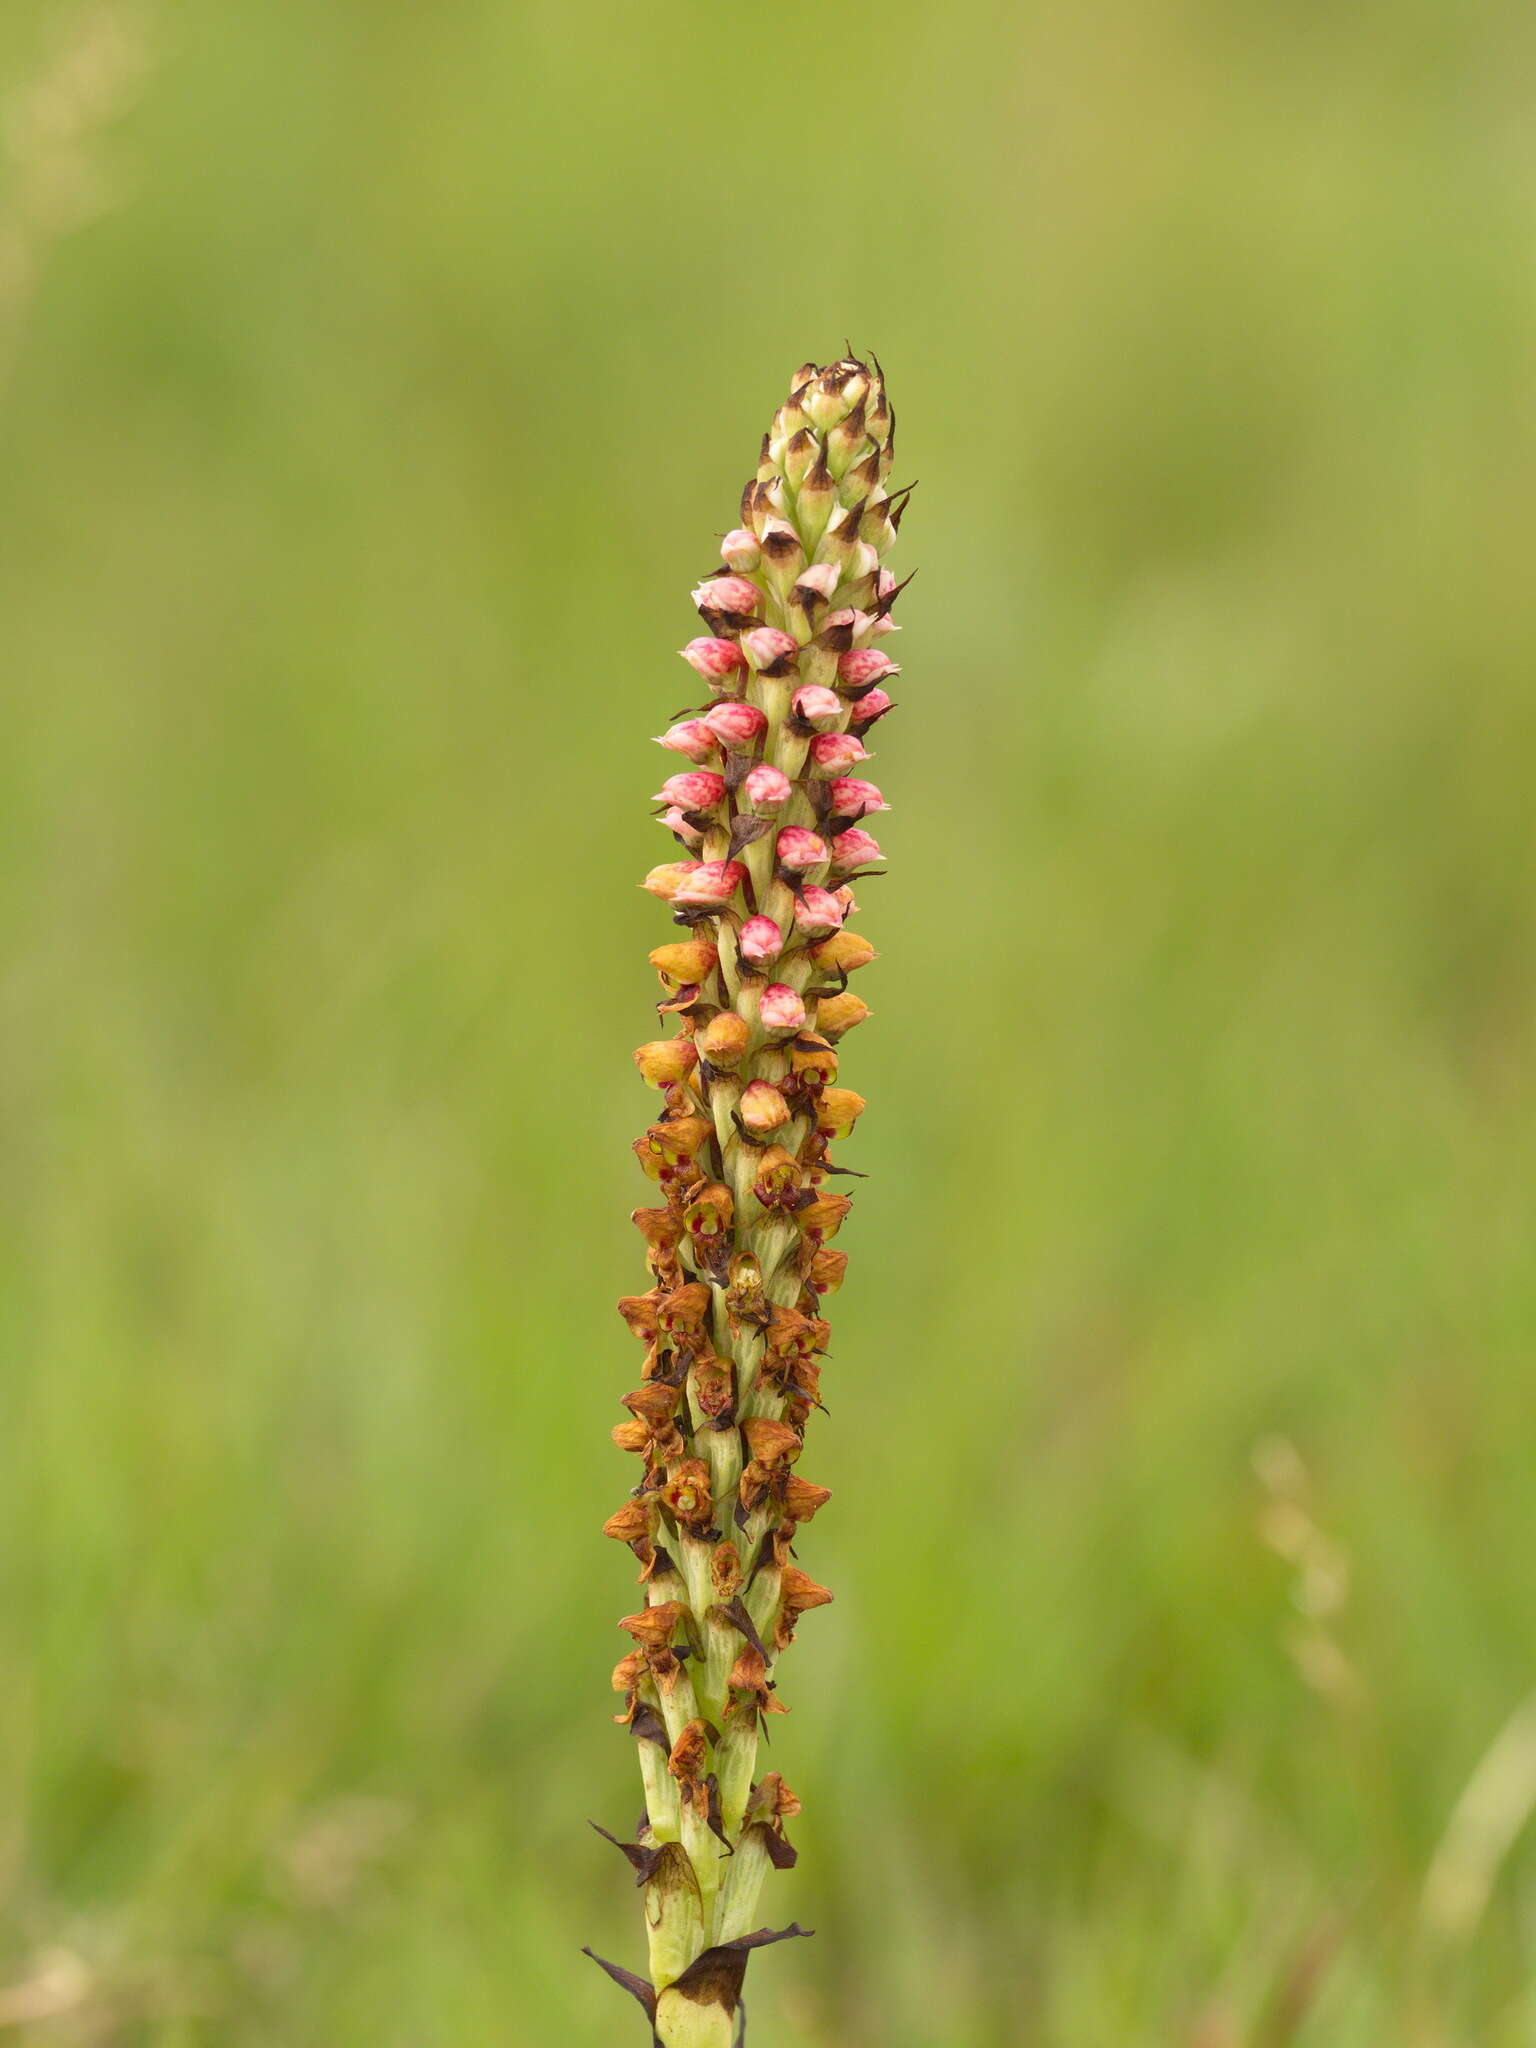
(770, 809)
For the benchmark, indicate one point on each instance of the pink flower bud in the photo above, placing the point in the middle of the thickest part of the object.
(760, 940)
(881, 624)
(700, 789)
(864, 561)
(820, 579)
(740, 551)
(780, 1009)
(818, 910)
(691, 737)
(733, 596)
(711, 882)
(855, 849)
(733, 723)
(832, 752)
(872, 705)
(886, 585)
(865, 665)
(666, 880)
(765, 787)
(676, 820)
(797, 848)
(766, 647)
(714, 659)
(819, 707)
(852, 798)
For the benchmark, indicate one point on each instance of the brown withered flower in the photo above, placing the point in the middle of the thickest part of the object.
(771, 811)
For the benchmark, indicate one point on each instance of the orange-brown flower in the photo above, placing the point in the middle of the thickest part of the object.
(744, 1297)
(689, 1763)
(801, 1498)
(681, 1316)
(799, 1593)
(838, 1110)
(825, 1269)
(749, 1674)
(640, 1312)
(772, 1800)
(771, 1442)
(792, 1335)
(707, 1219)
(654, 1403)
(654, 1627)
(778, 1179)
(725, 1572)
(813, 1060)
(823, 1217)
(724, 1040)
(666, 1060)
(712, 1384)
(839, 1013)
(630, 1523)
(687, 961)
(841, 953)
(688, 1495)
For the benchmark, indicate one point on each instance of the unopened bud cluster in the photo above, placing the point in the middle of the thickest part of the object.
(770, 808)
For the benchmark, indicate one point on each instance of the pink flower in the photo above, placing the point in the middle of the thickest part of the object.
(767, 648)
(819, 707)
(691, 737)
(872, 705)
(676, 820)
(865, 665)
(700, 789)
(780, 1009)
(733, 723)
(666, 880)
(817, 910)
(887, 586)
(714, 659)
(733, 596)
(709, 884)
(855, 849)
(820, 580)
(766, 788)
(761, 940)
(797, 848)
(832, 752)
(852, 798)
(739, 550)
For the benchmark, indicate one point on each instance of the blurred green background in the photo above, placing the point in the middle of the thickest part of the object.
(377, 378)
